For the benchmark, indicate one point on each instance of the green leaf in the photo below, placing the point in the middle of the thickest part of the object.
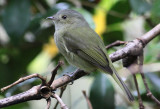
(110, 37)
(140, 6)
(118, 12)
(156, 8)
(153, 51)
(102, 93)
(155, 13)
(16, 18)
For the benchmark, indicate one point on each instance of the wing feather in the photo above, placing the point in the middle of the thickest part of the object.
(91, 51)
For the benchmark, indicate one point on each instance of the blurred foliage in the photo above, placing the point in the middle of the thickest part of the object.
(141, 6)
(102, 93)
(27, 46)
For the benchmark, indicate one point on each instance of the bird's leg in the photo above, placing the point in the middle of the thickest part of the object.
(72, 74)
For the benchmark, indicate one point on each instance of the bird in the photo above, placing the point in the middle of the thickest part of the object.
(82, 47)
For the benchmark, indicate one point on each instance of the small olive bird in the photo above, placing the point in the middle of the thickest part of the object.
(81, 45)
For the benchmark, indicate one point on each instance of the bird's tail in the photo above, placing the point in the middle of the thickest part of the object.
(122, 85)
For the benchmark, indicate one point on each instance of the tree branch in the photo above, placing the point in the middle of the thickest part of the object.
(146, 38)
(62, 89)
(31, 94)
(132, 48)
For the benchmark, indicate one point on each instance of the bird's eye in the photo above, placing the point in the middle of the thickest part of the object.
(64, 17)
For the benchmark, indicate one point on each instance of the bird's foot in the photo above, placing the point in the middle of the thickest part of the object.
(71, 75)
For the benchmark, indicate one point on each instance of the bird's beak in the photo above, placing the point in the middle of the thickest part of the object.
(51, 18)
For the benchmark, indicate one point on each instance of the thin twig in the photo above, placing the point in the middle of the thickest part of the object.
(87, 99)
(24, 79)
(48, 103)
(63, 106)
(54, 72)
(141, 106)
(116, 43)
(149, 93)
(62, 89)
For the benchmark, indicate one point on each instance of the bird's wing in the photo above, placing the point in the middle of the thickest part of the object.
(85, 43)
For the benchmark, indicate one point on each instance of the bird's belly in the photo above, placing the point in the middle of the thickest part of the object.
(72, 58)
(79, 62)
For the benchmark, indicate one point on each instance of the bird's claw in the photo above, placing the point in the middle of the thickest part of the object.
(71, 75)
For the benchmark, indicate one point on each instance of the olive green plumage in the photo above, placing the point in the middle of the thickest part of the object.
(82, 47)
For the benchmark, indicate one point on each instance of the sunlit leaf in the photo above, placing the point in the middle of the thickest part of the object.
(106, 4)
(100, 21)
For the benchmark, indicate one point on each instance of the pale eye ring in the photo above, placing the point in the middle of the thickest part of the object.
(64, 17)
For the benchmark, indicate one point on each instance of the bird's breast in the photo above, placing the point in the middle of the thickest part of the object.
(58, 37)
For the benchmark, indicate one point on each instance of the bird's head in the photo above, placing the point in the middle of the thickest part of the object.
(68, 18)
